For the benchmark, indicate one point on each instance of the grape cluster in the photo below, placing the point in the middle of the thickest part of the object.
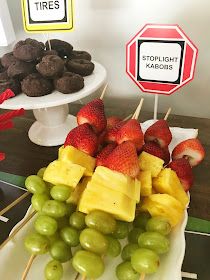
(59, 228)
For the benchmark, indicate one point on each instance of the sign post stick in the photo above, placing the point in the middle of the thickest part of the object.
(155, 107)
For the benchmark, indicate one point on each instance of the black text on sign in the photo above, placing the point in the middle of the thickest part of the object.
(160, 61)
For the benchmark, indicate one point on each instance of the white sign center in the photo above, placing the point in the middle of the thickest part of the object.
(159, 61)
(49, 10)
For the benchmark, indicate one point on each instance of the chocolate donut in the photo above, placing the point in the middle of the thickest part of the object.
(69, 83)
(49, 52)
(28, 50)
(35, 85)
(20, 69)
(9, 83)
(7, 59)
(63, 48)
(80, 55)
(50, 66)
(82, 67)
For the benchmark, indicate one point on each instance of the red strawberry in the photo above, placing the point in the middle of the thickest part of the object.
(83, 138)
(101, 157)
(131, 131)
(112, 132)
(112, 121)
(184, 171)
(124, 159)
(159, 132)
(101, 137)
(190, 149)
(154, 149)
(93, 113)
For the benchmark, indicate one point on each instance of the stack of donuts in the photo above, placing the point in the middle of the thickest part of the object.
(36, 69)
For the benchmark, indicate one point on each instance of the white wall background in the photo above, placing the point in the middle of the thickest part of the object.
(103, 27)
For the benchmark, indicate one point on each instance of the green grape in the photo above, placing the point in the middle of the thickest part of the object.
(55, 209)
(60, 192)
(38, 200)
(125, 271)
(128, 251)
(36, 244)
(145, 261)
(114, 247)
(53, 238)
(35, 184)
(60, 251)
(53, 270)
(41, 171)
(154, 241)
(101, 221)
(70, 236)
(134, 235)
(159, 224)
(141, 220)
(62, 222)
(71, 208)
(121, 231)
(88, 264)
(94, 241)
(77, 220)
(45, 225)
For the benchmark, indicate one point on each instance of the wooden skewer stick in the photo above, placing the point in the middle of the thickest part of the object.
(138, 109)
(28, 266)
(167, 114)
(127, 118)
(17, 229)
(83, 277)
(142, 276)
(103, 92)
(15, 202)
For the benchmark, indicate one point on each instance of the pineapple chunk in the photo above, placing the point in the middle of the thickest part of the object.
(77, 193)
(145, 178)
(60, 172)
(168, 182)
(101, 198)
(73, 155)
(151, 163)
(164, 205)
(117, 181)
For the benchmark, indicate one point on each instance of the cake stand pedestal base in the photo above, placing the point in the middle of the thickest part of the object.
(52, 125)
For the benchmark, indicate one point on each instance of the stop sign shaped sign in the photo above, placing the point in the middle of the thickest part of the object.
(160, 58)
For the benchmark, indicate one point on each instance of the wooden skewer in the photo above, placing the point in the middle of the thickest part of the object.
(167, 114)
(138, 109)
(142, 276)
(127, 118)
(17, 229)
(83, 277)
(15, 202)
(28, 266)
(103, 92)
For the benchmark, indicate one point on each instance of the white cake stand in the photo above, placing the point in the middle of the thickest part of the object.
(53, 121)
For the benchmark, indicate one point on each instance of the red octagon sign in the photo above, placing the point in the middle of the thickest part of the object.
(160, 58)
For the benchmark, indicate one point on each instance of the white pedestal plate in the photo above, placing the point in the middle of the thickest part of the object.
(53, 121)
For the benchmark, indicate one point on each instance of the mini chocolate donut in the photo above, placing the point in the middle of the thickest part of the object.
(7, 83)
(80, 66)
(3, 75)
(69, 83)
(28, 50)
(7, 59)
(20, 69)
(35, 85)
(80, 55)
(50, 66)
(63, 48)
